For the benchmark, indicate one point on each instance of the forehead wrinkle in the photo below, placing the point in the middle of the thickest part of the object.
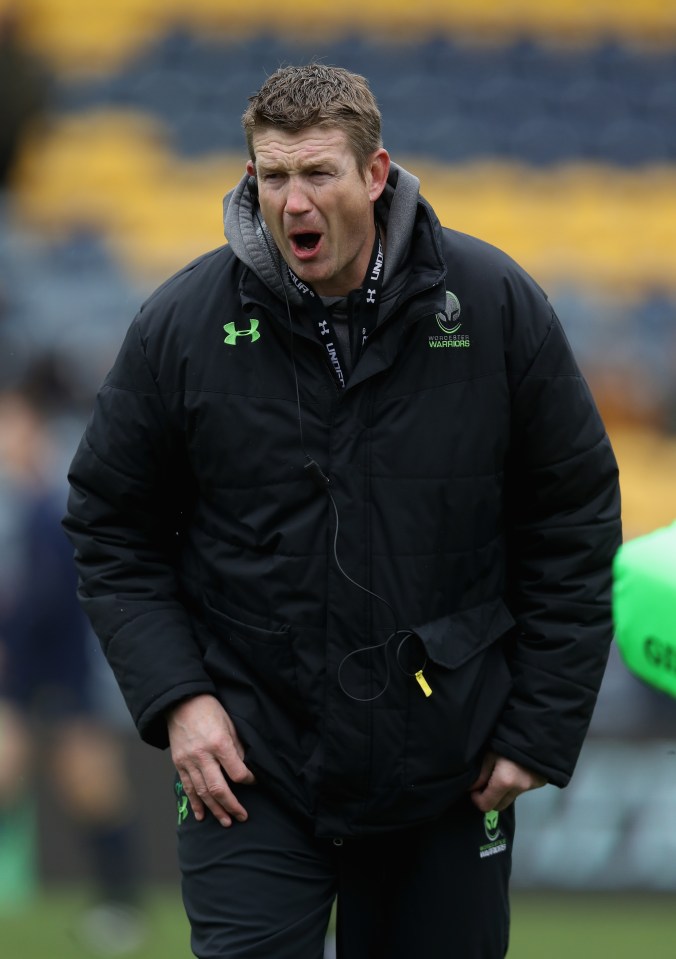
(277, 151)
(293, 163)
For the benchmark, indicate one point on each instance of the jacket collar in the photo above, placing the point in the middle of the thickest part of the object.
(415, 272)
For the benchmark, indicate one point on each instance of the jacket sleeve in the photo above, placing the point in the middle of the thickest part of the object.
(124, 516)
(563, 508)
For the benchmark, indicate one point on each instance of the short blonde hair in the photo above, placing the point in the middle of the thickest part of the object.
(296, 98)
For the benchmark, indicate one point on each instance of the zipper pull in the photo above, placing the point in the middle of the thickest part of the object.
(422, 682)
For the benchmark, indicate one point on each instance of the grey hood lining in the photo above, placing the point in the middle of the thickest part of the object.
(252, 243)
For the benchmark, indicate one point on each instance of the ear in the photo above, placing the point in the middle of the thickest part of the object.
(377, 173)
(250, 168)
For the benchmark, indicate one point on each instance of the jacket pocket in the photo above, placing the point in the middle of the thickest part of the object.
(245, 655)
(469, 678)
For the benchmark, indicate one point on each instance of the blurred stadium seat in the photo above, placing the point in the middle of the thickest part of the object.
(76, 34)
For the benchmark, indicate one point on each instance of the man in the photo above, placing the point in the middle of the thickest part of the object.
(51, 716)
(344, 518)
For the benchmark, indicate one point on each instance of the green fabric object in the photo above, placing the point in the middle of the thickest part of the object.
(18, 869)
(644, 607)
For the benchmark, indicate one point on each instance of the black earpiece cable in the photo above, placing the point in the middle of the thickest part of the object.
(322, 481)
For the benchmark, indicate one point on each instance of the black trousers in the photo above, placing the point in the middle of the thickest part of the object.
(264, 889)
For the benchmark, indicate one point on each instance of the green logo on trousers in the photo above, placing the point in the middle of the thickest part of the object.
(181, 803)
(491, 820)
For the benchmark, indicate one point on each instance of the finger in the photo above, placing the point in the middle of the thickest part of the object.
(232, 762)
(234, 766)
(241, 774)
(224, 804)
(496, 794)
(487, 767)
(215, 792)
(232, 758)
(206, 787)
(202, 789)
(492, 799)
(506, 800)
(189, 789)
(484, 799)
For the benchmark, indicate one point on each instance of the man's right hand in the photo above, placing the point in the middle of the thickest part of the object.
(204, 745)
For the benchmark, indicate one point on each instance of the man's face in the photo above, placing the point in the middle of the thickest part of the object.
(317, 205)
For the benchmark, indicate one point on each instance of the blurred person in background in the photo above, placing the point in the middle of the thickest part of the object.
(49, 709)
(344, 518)
(26, 92)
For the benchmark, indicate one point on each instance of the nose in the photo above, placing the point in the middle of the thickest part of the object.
(297, 200)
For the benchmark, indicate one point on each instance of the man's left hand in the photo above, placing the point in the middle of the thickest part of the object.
(501, 781)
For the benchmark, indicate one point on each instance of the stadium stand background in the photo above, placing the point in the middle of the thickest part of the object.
(546, 129)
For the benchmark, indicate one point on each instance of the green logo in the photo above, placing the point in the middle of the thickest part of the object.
(234, 334)
(491, 824)
(448, 320)
(497, 841)
(181, 803)
(449, 324)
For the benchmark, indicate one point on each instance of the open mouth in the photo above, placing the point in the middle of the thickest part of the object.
(306, 242)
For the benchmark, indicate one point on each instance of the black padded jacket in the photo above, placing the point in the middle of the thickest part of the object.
(466, 532)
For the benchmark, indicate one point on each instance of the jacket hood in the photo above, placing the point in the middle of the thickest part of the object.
(252, 243)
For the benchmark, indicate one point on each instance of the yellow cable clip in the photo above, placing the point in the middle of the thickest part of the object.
(422, 682)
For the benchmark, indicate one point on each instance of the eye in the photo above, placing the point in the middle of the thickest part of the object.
(271, 177)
